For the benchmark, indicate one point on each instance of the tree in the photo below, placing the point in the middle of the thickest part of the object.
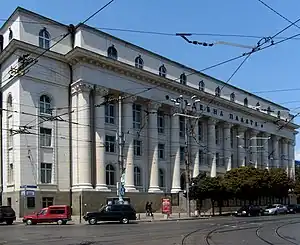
(279, 183)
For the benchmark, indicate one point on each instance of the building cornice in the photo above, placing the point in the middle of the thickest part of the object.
(80, 55)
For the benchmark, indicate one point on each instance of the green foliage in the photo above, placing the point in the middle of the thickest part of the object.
(245, 183)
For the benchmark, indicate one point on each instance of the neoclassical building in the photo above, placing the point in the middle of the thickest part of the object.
(94, 101)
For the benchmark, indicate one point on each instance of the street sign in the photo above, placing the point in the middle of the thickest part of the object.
(28, 193)
(28, 187)
(122, 190)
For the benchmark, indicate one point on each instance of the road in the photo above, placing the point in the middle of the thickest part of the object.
(217, 231)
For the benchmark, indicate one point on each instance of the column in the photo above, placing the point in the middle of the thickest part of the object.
(129, 147)
(211, 155)
(195, 149)
(265, 151)
(82, 135)
(175, 151)
(100, 138)
(285, 155)
(253, 148)
(292, 159)
(241, 147)
(227, 146)
(275, 151)
(153, 147)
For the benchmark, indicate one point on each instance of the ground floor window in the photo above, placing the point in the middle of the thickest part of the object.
(30, 202)
(47, 201)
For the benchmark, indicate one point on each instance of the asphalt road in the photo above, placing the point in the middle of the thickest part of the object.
(279, 230)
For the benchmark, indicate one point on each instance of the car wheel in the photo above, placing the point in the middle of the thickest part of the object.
(92, 221)
(60, 222)
(29, 222)
(124, 221)
(9, 222)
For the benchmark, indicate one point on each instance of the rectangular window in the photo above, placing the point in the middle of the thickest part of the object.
(110, 113)
(10, 173)
(199, 131)
(181, 126)
(161, 151)
(46, 173)
(201, 157)
(137, 147)
(217, 135)
(182, 153)
(30, 202)
(110, 143)
(45, 136)
(217, 159)
(137, 116)
(161, 122)
(231, 138)
(47, 201)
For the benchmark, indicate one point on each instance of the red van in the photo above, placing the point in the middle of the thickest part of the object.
(60, 214)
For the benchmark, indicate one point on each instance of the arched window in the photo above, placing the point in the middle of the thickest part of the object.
(9, 105)
(162, 71)
(201, 85)
(218, 92)
(245, 102)
(137, 176)
(232, 97)
(257, 106)
(278, 114)
(10, 35)
(161, 180)
(110, 174)
(44, 39)
(45, 105)
(112, 52)
(139, 63)
(183, 79)
(269, 110)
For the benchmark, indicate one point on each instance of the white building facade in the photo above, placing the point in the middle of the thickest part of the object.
(60, 119)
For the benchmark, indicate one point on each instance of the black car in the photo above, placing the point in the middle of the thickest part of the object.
(293, 208)
(116, 212)
(7, 214)
(250, 210)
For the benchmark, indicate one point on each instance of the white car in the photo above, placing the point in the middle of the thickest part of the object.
(275, 209)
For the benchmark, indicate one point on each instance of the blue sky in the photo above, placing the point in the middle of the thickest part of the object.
(271, 69)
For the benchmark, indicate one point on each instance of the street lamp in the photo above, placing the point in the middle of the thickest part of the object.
(184, 104)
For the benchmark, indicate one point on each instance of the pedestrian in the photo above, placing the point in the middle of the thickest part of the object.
(147, 208)
(150, 209)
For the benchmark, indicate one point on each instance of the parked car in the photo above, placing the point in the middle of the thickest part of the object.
(60, 214)
(293, 208)
(275, 209)
(7, 214)
(115, 212)
(249, 210)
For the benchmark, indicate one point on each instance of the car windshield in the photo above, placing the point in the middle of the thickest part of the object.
(270, 206)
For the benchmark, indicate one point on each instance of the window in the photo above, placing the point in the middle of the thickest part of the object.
(47, 201)
(9, 201)
(161, 151)
(257, 106)
(110, 143)
(46, 173)
(9, 105)
(10, 173)
(162, 71)
(112, 52)
(45, 136)
(110, 175)
(278, 114)
(30, 202)
(232, 97)
(110, 113)
(217, 159)
(45, 105)
(44, 39)
(200, 131)
(217, 134)
(183, 79)
(10, 139)
(201, 85)
(161, 180)
(181, 126)
(269, 110)
(137, 116)
(137, 176)
(161, 122)
(245, 102)
(201, 157)
(10, 35)
(218, 92)
(139, 63)
(231, 138)
(182, 153)
(137, 147)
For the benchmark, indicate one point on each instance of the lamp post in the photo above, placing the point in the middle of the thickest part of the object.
(183, 105)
